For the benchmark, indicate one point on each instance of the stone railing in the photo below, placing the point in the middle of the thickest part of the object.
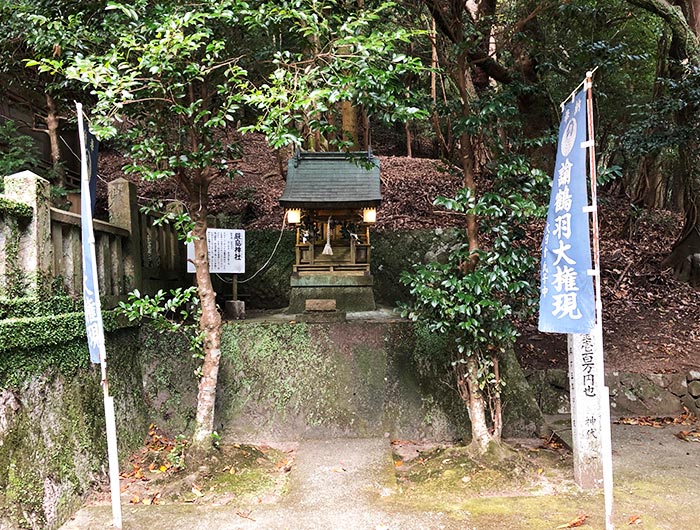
(40, 246)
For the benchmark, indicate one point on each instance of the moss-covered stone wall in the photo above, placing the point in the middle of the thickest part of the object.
(296, 380)
(279, 379)
(290, 380)
(52, 426)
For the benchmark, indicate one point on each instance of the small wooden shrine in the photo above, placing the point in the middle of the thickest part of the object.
(332, 198)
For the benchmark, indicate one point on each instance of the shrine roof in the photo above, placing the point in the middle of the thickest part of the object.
(332, 180)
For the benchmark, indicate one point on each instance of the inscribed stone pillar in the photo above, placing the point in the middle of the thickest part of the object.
(123, 212)
(35, 248)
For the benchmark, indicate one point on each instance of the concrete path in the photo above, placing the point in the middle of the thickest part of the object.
(339, 484)
(332, 486)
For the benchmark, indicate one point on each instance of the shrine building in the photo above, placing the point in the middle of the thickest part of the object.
(332, 200)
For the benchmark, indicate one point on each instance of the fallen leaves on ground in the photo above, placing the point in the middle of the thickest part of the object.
(634, 520)
(196, 490)
(689, 436)
(245, 515)
(655, 421)
(579, 521)
(553, 442)
(147, 500)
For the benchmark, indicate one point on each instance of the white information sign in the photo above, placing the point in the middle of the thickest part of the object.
(226, 251)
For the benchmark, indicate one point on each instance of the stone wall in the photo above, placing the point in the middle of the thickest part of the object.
(41, 248)
(296, 380)
(630, 393)
(52, 428)
(392, 253)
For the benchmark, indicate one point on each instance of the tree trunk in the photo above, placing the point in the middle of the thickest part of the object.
(349, 123)
(209, 325)
(466, 372)
(409, 139)
(443, 148)
(684, 24)
(481, 437)
(496, 403)
(650, 186)
(52, 125)
(466, 91)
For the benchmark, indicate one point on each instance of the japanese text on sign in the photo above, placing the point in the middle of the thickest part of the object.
(226, 251)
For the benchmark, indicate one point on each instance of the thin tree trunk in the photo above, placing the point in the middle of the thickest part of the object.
(481, 438)
(366, 139)
(434, 117)
(684, 24)
(496, 403)
(209, 325)
(467, 93)
(409, 139)
(349, 122)
(52, 125)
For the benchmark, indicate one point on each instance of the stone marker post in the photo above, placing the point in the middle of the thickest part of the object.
(35, 248)
(123, 212)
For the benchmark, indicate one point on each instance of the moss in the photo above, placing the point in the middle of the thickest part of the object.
(239, 471)
(45, 443)
(15, 209)
(169, 382)
(392, 253)
(54, 447)
(41, 331)
(13, 281)
(18, 365)
(270, 288)
(279, 364)
(60, 339)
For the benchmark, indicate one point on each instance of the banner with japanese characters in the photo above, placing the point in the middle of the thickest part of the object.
(567, 303)
(91, 292)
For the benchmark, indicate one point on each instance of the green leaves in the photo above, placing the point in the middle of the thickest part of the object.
(348, 55)
(478, 309)
(175, 311)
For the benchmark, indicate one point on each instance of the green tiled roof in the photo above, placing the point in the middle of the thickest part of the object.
(332, 180)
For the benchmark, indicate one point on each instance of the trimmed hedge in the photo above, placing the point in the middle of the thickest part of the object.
(34, 332)
(27, 307)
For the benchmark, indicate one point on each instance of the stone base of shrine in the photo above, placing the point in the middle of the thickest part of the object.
(351, 292)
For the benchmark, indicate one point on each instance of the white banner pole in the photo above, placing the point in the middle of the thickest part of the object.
(86, 217)
(604, 395)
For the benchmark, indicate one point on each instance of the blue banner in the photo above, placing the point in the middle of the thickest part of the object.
(91, 292)
(567, 303)
(91, 147)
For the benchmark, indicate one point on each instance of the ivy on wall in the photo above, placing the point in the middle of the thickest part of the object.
(35, 332)
(27, 307)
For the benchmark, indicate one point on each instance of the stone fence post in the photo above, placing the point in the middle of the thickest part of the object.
(35, 249)
(123, 212)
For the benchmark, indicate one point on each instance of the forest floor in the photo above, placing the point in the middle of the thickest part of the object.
(651, 321)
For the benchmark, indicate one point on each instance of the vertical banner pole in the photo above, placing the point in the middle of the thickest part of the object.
(605, 431)
(93, 321)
